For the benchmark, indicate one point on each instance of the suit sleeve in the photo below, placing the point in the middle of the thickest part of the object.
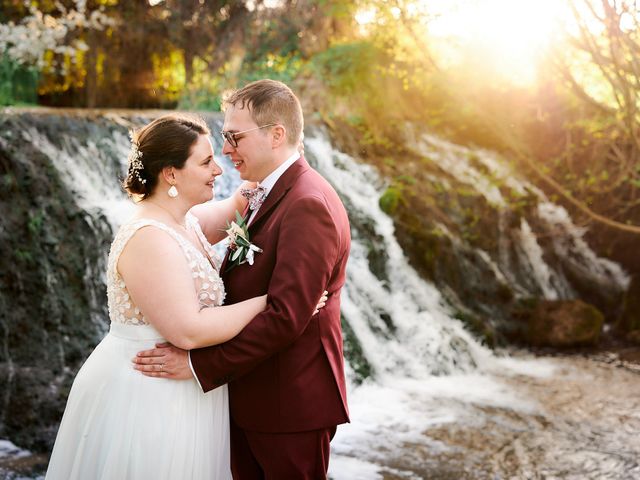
(307, 251)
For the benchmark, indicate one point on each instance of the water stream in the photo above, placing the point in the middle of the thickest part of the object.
(427, 399)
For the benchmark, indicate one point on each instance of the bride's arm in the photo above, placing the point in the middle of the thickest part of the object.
(160, 283)
(213, 216)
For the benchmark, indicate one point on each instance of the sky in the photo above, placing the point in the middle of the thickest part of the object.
(505, 38)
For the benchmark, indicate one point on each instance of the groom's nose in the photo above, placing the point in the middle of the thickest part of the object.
(227, 149)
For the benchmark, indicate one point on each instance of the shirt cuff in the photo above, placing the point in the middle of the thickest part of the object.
(194, 372)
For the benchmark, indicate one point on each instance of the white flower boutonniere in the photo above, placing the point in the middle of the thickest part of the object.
(241, 249)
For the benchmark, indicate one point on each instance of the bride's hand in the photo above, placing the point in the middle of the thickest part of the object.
(322, 302)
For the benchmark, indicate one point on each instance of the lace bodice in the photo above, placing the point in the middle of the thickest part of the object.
(207, 281)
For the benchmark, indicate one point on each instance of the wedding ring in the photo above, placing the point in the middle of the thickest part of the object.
(162, 367)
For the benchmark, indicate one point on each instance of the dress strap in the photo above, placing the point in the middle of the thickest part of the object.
(127, 231)
(209, 250)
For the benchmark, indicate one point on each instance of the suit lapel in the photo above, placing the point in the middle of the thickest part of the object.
(282, 186)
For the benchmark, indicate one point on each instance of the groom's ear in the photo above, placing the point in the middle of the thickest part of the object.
(279, 136)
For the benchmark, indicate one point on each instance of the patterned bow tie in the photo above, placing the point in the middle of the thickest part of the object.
(255, 196)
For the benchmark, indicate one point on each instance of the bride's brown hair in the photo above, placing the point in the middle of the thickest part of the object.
(165, 142)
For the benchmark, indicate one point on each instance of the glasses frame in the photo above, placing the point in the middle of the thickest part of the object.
(230, 137)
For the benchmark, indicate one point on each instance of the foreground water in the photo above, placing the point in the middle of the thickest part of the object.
(554, 418)
(546, 418)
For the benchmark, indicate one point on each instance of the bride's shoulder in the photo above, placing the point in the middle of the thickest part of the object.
(148, 243)
(141, 241)
(153, 234)
(144, 230)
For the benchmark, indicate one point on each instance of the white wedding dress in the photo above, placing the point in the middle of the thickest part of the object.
(119, 424)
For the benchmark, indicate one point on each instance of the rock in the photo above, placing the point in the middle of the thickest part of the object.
(53, 307)
(564, 323)
(634, 336)
(629, 323)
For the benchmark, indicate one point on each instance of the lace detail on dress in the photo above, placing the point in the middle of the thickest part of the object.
(193, 224)
(207, 281)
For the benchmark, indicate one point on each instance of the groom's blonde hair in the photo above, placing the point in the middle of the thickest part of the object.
(270, 101)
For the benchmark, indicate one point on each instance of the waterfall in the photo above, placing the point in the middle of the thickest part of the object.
(401, 322)
(411, 365)
(483, 171)
(425, 369)
(418, 352)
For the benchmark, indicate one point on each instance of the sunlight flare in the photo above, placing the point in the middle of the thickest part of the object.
(505, 36)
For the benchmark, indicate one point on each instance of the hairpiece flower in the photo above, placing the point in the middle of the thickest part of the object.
(135, 164)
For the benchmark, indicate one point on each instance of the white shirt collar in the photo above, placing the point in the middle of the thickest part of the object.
(273, 177)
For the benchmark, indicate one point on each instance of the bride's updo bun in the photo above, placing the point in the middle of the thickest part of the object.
(165, 142)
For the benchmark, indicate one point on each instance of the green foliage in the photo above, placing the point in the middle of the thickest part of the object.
(203, 89)
(347, 68)
(363, 92)
(24, 256)
(281, 66)
(18, 85)
(390, 199)
(389, 161)
(204, 98)
(169, 75)
(406, 180)
(353, 352)
(8, 180)
(35, 223)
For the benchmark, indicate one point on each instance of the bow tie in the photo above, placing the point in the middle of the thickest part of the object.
(255, 196)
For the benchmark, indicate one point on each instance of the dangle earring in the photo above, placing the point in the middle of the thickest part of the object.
(173, 191)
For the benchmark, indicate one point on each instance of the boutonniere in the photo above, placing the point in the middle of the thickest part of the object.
(241, 249)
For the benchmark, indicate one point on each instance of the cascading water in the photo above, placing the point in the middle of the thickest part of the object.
(415, 374)
(429, 378)
(401, 322)
(528, 268)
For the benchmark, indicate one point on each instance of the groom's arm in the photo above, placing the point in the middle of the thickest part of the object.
(308, 247)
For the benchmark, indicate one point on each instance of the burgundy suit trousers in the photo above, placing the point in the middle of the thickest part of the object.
(280, 456)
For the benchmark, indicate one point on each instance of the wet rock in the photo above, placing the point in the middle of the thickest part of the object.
(52, 295)
(564, 323)
(629, 323)
(634, 336)
(353, 350)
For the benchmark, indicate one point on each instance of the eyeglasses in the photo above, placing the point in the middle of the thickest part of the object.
(231, 136)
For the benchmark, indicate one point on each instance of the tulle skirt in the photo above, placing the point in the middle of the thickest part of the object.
(121, 425)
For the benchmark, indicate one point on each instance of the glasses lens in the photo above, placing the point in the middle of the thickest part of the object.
(229, 137)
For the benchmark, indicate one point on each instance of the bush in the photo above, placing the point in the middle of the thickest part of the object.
(18, 84)
(390, 200)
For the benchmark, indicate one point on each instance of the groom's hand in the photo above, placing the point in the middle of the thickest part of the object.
(164, 361)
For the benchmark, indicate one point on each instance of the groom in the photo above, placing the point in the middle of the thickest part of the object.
(285, 369)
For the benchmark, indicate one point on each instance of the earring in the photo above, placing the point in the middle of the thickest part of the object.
(173, 191)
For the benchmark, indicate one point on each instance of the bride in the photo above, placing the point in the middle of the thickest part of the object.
(162, 282)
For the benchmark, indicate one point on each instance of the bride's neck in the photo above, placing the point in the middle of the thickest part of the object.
(174, 209)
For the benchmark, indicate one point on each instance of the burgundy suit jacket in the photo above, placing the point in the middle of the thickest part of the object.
(285, 370)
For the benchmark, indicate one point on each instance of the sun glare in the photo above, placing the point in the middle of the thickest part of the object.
(503, 37)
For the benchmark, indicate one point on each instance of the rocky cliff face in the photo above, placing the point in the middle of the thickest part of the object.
(52, 292)
(491, 241)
